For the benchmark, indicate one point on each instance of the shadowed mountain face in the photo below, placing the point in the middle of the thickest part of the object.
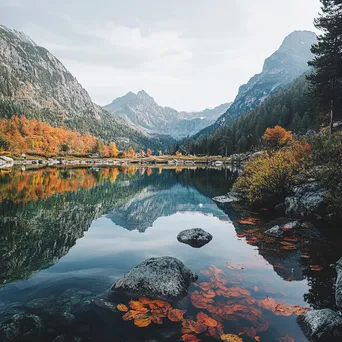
(280, 69)
(142, 112)
(35, 83)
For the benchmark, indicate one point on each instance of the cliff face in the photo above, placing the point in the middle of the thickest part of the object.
(280, 69)
(35, 83)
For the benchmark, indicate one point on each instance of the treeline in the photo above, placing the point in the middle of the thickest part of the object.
(291, 108)
(20, 135)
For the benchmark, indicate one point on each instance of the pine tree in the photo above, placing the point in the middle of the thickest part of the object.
(326, 79)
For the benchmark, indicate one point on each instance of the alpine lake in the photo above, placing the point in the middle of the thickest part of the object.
(67, 234)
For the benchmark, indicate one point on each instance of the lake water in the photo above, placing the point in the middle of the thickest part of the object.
(67, 234)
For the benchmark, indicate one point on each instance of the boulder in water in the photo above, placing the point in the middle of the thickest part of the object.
(338, 293)
(321, 325)
(195, 237)
(164, 278)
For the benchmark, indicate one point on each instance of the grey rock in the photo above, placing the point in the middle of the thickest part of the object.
(291, 226)
(338, 291)
(321, 325)
(230, 197)
(21, 327)
(195, 237)
(307, 200)
(164, 278)
(275, 231)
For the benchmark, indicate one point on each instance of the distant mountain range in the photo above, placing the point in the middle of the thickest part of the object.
(35, 83)
(280, 69)
(142, 112)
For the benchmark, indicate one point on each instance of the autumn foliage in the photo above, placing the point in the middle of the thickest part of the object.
(266, 179)
(277, 137)
(20, 135)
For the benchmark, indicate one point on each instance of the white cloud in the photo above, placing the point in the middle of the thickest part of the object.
(186, 56)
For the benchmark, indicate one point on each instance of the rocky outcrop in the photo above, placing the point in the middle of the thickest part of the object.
(165, 278)
(338, 293)
(195, 237)
(230, 197)
(321, 325)
(307, 200)
(279, 70)
(21, 328)
(275, 231)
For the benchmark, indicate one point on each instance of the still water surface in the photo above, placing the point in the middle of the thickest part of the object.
(67, 234)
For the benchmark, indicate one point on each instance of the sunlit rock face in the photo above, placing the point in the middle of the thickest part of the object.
(279, 70)
(163, 278)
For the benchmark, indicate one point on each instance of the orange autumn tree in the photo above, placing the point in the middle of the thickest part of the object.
(277, 137)
(131, 153)
(113, 150)
(21, 135)
(149, 152)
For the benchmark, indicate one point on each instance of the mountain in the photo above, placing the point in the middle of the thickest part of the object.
(142, 111)
(279, 70)
(35, 83)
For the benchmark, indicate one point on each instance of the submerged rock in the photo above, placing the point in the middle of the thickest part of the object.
(275, 231)
(307, 200)
(321, 325)
(230, 197)
(338, 293)
(164, 278)
(195, 237)
(291, 226)
(21, 327)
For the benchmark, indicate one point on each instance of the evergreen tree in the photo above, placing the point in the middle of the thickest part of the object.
(326, 79)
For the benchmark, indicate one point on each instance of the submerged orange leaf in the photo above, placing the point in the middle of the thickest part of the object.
(316, 268)
(176, 315)
(142, 322)
(249, 221)
(231, 338)
(209, 322)
(138, 306)
(122, 307)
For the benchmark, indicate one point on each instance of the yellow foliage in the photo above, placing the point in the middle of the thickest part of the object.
(267, 178)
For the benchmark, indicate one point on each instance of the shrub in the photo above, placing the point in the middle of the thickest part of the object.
(327, 153)
(266, 179)
(277, 137)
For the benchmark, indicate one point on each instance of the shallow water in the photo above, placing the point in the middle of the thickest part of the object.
(68, 234)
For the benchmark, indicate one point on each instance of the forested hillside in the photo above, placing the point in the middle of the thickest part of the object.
(291, 108)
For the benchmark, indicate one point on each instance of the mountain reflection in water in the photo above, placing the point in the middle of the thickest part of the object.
(67, 234)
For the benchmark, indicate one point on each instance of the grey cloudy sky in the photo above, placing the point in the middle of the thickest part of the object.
(187, 54)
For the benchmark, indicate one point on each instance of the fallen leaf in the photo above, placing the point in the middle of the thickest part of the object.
(142, 322)
(209, 322)
(138, 306)
(256, 289)
(257, 338)
(122, 307)
(316, 268)
(176, 315)
(249, 221)
(231, 338)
